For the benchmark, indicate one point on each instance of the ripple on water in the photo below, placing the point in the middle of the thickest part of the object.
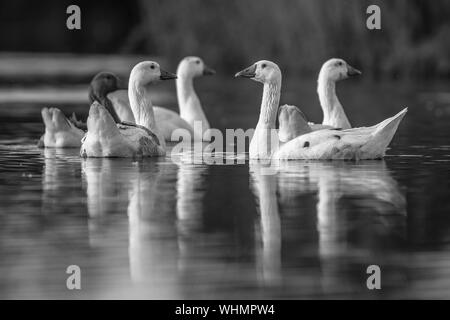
(171, 228)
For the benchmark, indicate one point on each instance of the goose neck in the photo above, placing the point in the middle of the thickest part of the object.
(327, 94)
(185, 88)
(141, 105)
(269, 104)
(333, 113)
(188, 102)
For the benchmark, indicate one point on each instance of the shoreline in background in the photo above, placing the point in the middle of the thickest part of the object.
(67, 67)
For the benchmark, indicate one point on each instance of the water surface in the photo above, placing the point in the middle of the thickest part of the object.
(173, 228)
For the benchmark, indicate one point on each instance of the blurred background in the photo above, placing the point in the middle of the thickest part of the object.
(299, 34)
(44, 63)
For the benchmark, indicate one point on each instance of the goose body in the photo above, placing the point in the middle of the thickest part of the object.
(167, 120)
(105, 138)
(326, 144)
(59, 132)
(351, 144)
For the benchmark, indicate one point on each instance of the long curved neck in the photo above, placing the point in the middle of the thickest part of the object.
(141, 105)
(190, 107)
(265, 139)
(333, 113)
(269, 104)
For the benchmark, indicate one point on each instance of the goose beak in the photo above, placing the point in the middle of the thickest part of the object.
(207, 71)
(352, 71)
(165, 75)
(250, 72)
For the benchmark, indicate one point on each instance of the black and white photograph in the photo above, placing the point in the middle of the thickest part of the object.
(203, 151)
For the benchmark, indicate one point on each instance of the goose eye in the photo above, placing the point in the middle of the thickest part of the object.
(339, 64)
(197, 62)
(152, 66)
(263, 65)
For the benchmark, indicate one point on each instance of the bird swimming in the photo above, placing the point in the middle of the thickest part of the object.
(326, 144)
(106, 138)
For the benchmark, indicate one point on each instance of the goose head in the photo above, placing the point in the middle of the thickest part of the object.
(102, 84)
(263, 71)
(148, 72)
(337, 69)
(192, 67)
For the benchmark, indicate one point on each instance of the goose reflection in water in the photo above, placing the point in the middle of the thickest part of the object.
(153, 249)
(168, 250)
(343, 233)
(163, 201)
(137, 189)
(367, 185)
(191, 191)
(265, 189)
(107, 183)
(60, 181)
(161, 229)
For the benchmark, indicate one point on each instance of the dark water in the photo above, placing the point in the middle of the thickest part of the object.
(171, 228)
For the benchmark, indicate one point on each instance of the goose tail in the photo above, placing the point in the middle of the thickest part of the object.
(47, 118)
(382, 136)
(388, 127)
(55, 120)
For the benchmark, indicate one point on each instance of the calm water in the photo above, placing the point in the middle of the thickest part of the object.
(171, 228)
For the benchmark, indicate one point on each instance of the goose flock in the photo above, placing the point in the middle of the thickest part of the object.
(123, 122)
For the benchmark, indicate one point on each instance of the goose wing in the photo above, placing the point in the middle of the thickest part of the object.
(349, 144)
(325, 144)
(319, 126)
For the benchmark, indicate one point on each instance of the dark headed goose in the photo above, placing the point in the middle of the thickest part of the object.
(107, 139)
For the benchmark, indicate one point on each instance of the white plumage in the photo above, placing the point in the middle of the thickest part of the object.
(188, 102)
(325, 144)
(59, 132)
(106, 139)
(350, 144)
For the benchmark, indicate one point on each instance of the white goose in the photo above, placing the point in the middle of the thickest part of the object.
(334, 116)
(188, 102)
(332, 71)
(358, 143)
(59, 132)
(105, 138)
